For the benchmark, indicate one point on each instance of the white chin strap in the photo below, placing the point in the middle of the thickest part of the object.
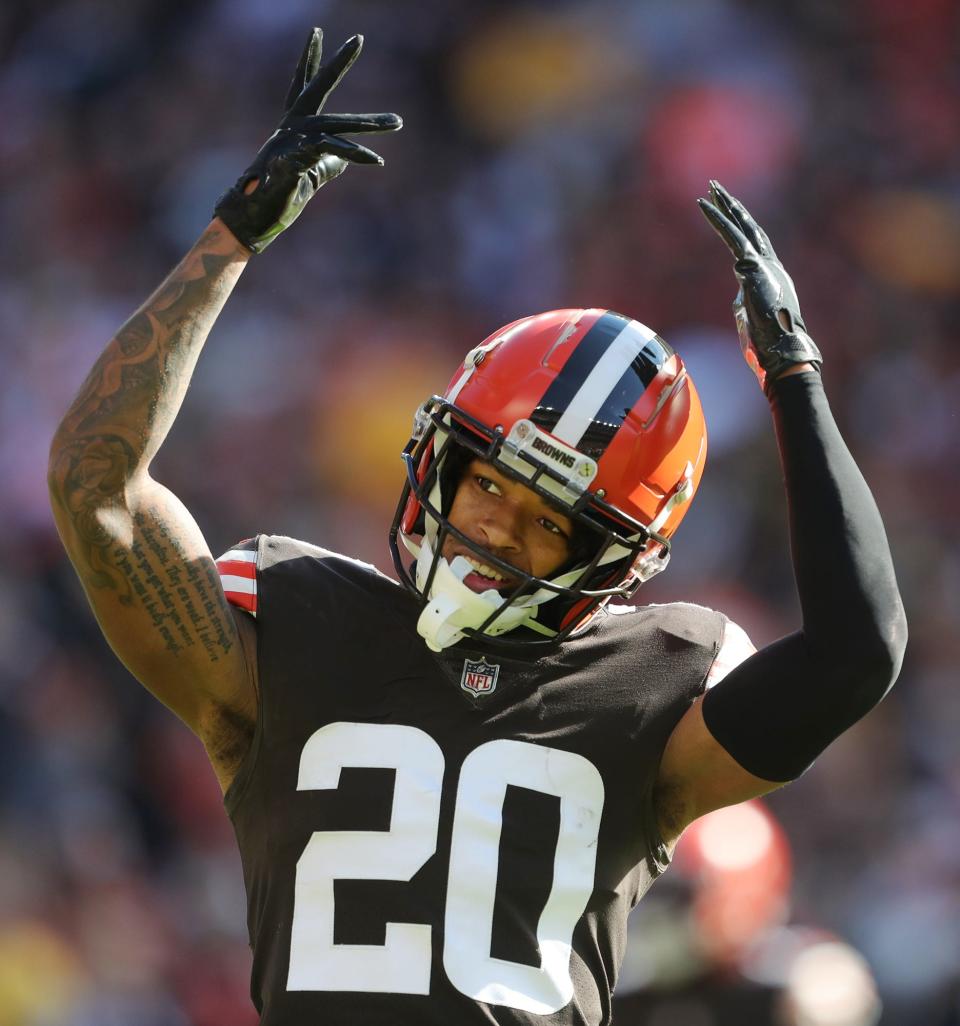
(452, 606)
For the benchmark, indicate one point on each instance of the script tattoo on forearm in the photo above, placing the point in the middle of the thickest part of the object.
(113, 429)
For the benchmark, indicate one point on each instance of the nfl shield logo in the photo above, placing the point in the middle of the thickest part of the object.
(479, 678)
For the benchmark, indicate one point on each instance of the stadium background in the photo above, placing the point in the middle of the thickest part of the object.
(551, 157)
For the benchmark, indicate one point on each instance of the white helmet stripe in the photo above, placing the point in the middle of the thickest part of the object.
(601, 380)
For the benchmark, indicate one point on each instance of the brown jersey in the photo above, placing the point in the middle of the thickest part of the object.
(445, 838)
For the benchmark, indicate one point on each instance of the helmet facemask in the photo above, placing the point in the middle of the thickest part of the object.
(612, 552)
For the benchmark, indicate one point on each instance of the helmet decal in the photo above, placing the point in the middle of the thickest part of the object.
(601, 382)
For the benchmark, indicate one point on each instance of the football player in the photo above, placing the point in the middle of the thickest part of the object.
(449, 792)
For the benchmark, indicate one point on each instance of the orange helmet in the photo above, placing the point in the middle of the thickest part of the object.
(595, 413)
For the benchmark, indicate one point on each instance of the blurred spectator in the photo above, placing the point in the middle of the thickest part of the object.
(712, 948)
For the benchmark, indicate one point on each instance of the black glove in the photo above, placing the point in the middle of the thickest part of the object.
(772, 334)
(306, 151)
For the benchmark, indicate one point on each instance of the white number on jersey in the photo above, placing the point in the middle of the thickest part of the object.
(402, 964)
(474, 850)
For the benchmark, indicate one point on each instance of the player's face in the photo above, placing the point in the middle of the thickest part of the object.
(510, 520)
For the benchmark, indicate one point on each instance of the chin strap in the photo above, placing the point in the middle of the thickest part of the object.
(452, 606)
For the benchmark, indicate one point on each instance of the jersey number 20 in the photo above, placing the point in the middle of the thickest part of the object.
(402, 964)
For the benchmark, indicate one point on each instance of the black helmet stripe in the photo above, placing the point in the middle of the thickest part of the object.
(601, 382)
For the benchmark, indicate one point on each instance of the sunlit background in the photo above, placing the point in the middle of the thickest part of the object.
(551, 157)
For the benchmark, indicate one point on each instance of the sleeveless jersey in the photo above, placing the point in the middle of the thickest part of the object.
(445, 838)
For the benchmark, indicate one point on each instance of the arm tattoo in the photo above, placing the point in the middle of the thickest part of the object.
(183, 597)
(90, 471)
(113, 429)
(138, 384)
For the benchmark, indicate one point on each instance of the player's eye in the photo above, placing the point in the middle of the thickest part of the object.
(486, 485)
(552, 527)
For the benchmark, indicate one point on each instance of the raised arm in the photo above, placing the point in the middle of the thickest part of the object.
(146, 569)
(769, 718)
(142, 559)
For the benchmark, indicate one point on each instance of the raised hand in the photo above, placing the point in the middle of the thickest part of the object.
(305, 152)
(772, 334)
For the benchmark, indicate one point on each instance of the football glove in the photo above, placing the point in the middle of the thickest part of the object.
(772, 334)
(306, 151)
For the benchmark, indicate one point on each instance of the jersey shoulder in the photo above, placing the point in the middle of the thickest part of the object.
(693, 623)
(277, 563)
(685, 620)
(276, 550)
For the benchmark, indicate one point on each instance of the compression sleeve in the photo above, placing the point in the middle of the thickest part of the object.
(778, 710)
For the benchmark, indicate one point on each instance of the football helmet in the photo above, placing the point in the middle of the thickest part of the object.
(596, 414)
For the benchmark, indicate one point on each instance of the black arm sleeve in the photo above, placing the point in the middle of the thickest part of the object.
(778, 710)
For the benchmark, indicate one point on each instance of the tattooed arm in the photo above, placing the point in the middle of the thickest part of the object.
(146, 569)
(141, 557)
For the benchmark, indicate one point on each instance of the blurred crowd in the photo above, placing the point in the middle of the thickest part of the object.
(551, 157)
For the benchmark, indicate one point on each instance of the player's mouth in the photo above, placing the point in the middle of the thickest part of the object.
(484, 577)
